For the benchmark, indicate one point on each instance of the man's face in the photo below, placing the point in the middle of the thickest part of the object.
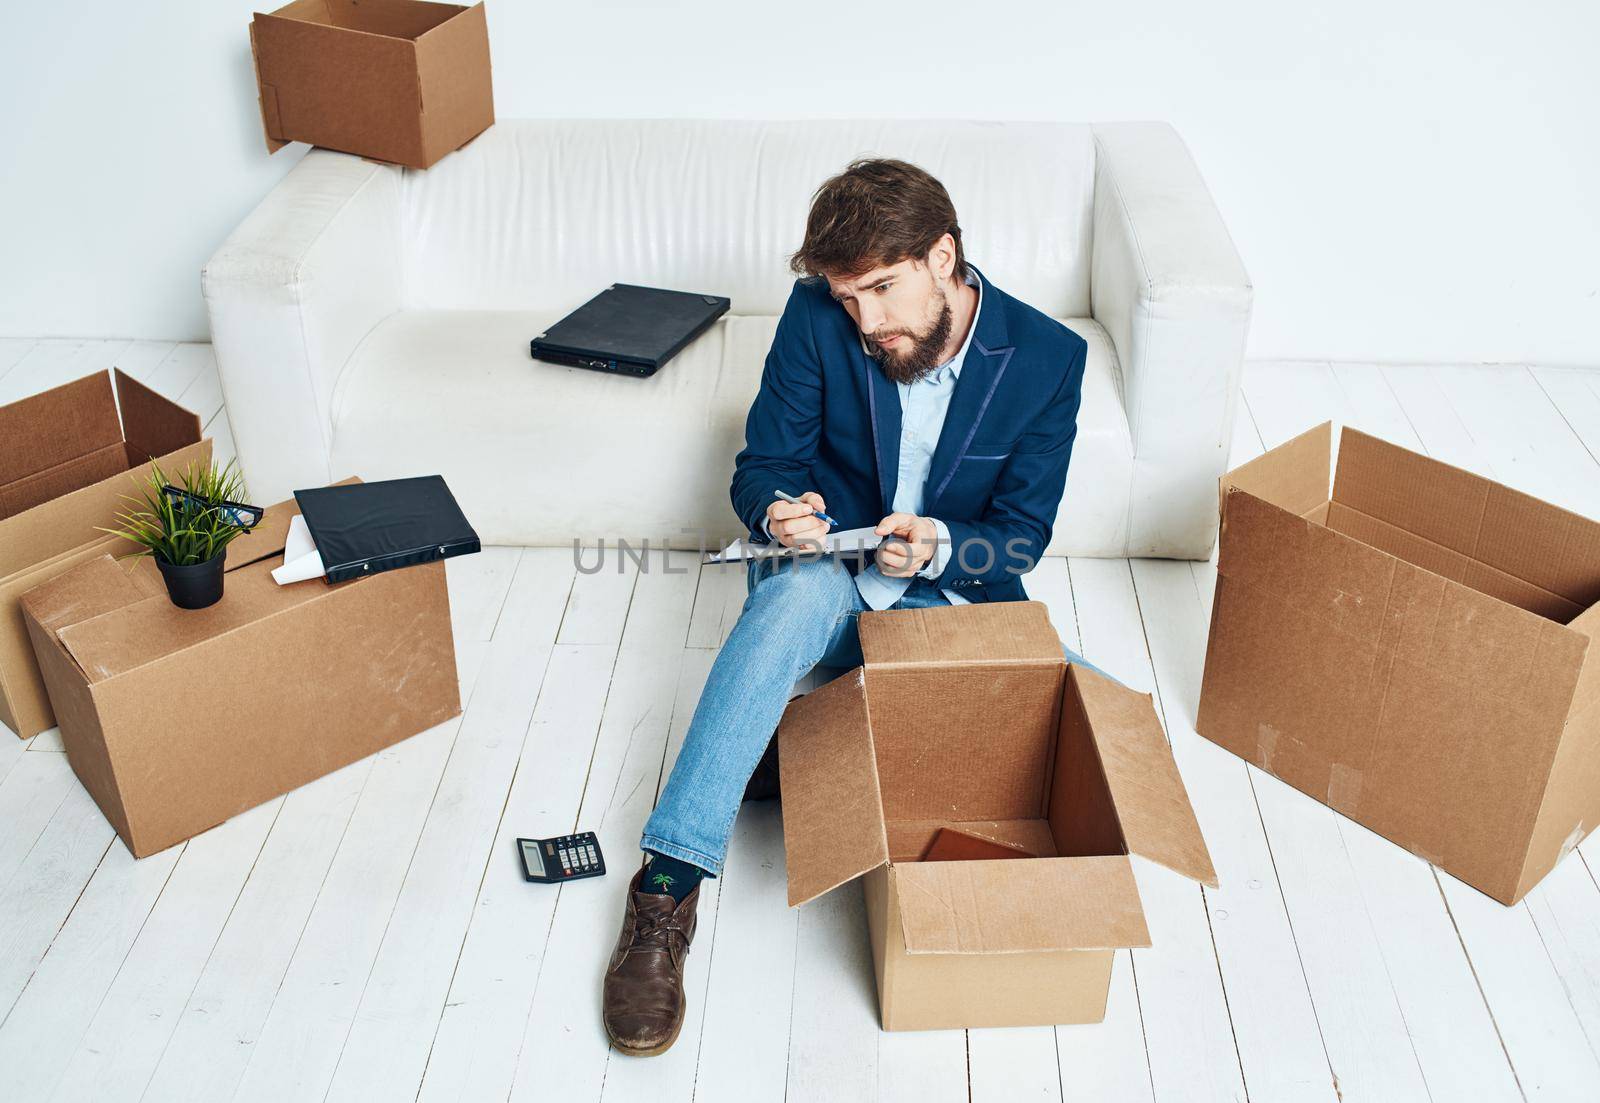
(902, 312)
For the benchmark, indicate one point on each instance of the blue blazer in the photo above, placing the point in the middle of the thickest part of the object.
(828, 419)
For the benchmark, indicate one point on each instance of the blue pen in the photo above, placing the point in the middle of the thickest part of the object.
(792, 500)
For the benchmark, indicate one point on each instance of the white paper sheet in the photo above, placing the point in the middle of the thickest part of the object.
(848, 541)
(301, 560)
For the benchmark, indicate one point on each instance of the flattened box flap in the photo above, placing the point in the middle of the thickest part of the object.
(1152, 805)
(833, 827)
(1292, 476)
(1013, 632)
(99, 586)
(1010, 907)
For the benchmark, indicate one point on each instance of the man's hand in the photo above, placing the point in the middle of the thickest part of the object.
(792, 525)
(918, 540)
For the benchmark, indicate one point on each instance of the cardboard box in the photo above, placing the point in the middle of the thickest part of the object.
(67, 459)
(175, 720)
(394, 80)
(969, 718)
(1413, 650)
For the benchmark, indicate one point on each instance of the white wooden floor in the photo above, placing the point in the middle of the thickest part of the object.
(368, 937)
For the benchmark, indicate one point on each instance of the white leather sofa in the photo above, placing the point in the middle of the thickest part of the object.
(374, 320)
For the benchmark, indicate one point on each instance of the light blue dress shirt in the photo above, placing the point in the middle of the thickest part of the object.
(923, 406)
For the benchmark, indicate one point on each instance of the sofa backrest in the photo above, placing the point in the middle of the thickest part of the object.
(541, 214)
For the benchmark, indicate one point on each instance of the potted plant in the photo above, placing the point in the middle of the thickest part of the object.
(186, 526)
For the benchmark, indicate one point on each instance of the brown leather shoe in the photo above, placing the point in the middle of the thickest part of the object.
(643, 1000)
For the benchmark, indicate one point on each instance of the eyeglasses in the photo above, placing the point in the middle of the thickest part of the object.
(246, 517)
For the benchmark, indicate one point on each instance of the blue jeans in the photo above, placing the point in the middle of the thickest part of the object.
(799, 614)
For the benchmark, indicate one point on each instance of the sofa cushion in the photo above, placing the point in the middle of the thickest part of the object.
(539, 214)
(587, 455)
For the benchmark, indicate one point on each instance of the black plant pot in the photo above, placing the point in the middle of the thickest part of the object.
(195, 586)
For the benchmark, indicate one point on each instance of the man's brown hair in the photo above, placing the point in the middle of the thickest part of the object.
(876, 212)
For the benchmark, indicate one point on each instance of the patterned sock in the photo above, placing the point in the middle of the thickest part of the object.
(667, 876)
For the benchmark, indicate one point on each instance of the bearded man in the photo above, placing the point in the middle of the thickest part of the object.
(903, 392)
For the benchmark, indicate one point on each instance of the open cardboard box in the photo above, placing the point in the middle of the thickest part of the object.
(175, 719)
(68, 456)
(969, 718)
(1413, 649)
(395, 80)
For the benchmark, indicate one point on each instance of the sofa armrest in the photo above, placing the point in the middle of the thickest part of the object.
(1170, 289)
(291, 293)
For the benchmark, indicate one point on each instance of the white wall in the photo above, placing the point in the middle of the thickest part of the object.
(1414, 181)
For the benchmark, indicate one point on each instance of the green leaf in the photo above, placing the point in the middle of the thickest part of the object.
(180, 532)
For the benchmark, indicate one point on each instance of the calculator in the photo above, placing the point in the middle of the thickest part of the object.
(563, 858)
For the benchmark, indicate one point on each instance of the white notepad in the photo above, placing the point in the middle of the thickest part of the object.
(847, 541)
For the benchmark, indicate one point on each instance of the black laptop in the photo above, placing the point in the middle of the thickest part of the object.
(627, 329)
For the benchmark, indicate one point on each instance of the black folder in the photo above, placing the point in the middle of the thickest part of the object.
(364, 528)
